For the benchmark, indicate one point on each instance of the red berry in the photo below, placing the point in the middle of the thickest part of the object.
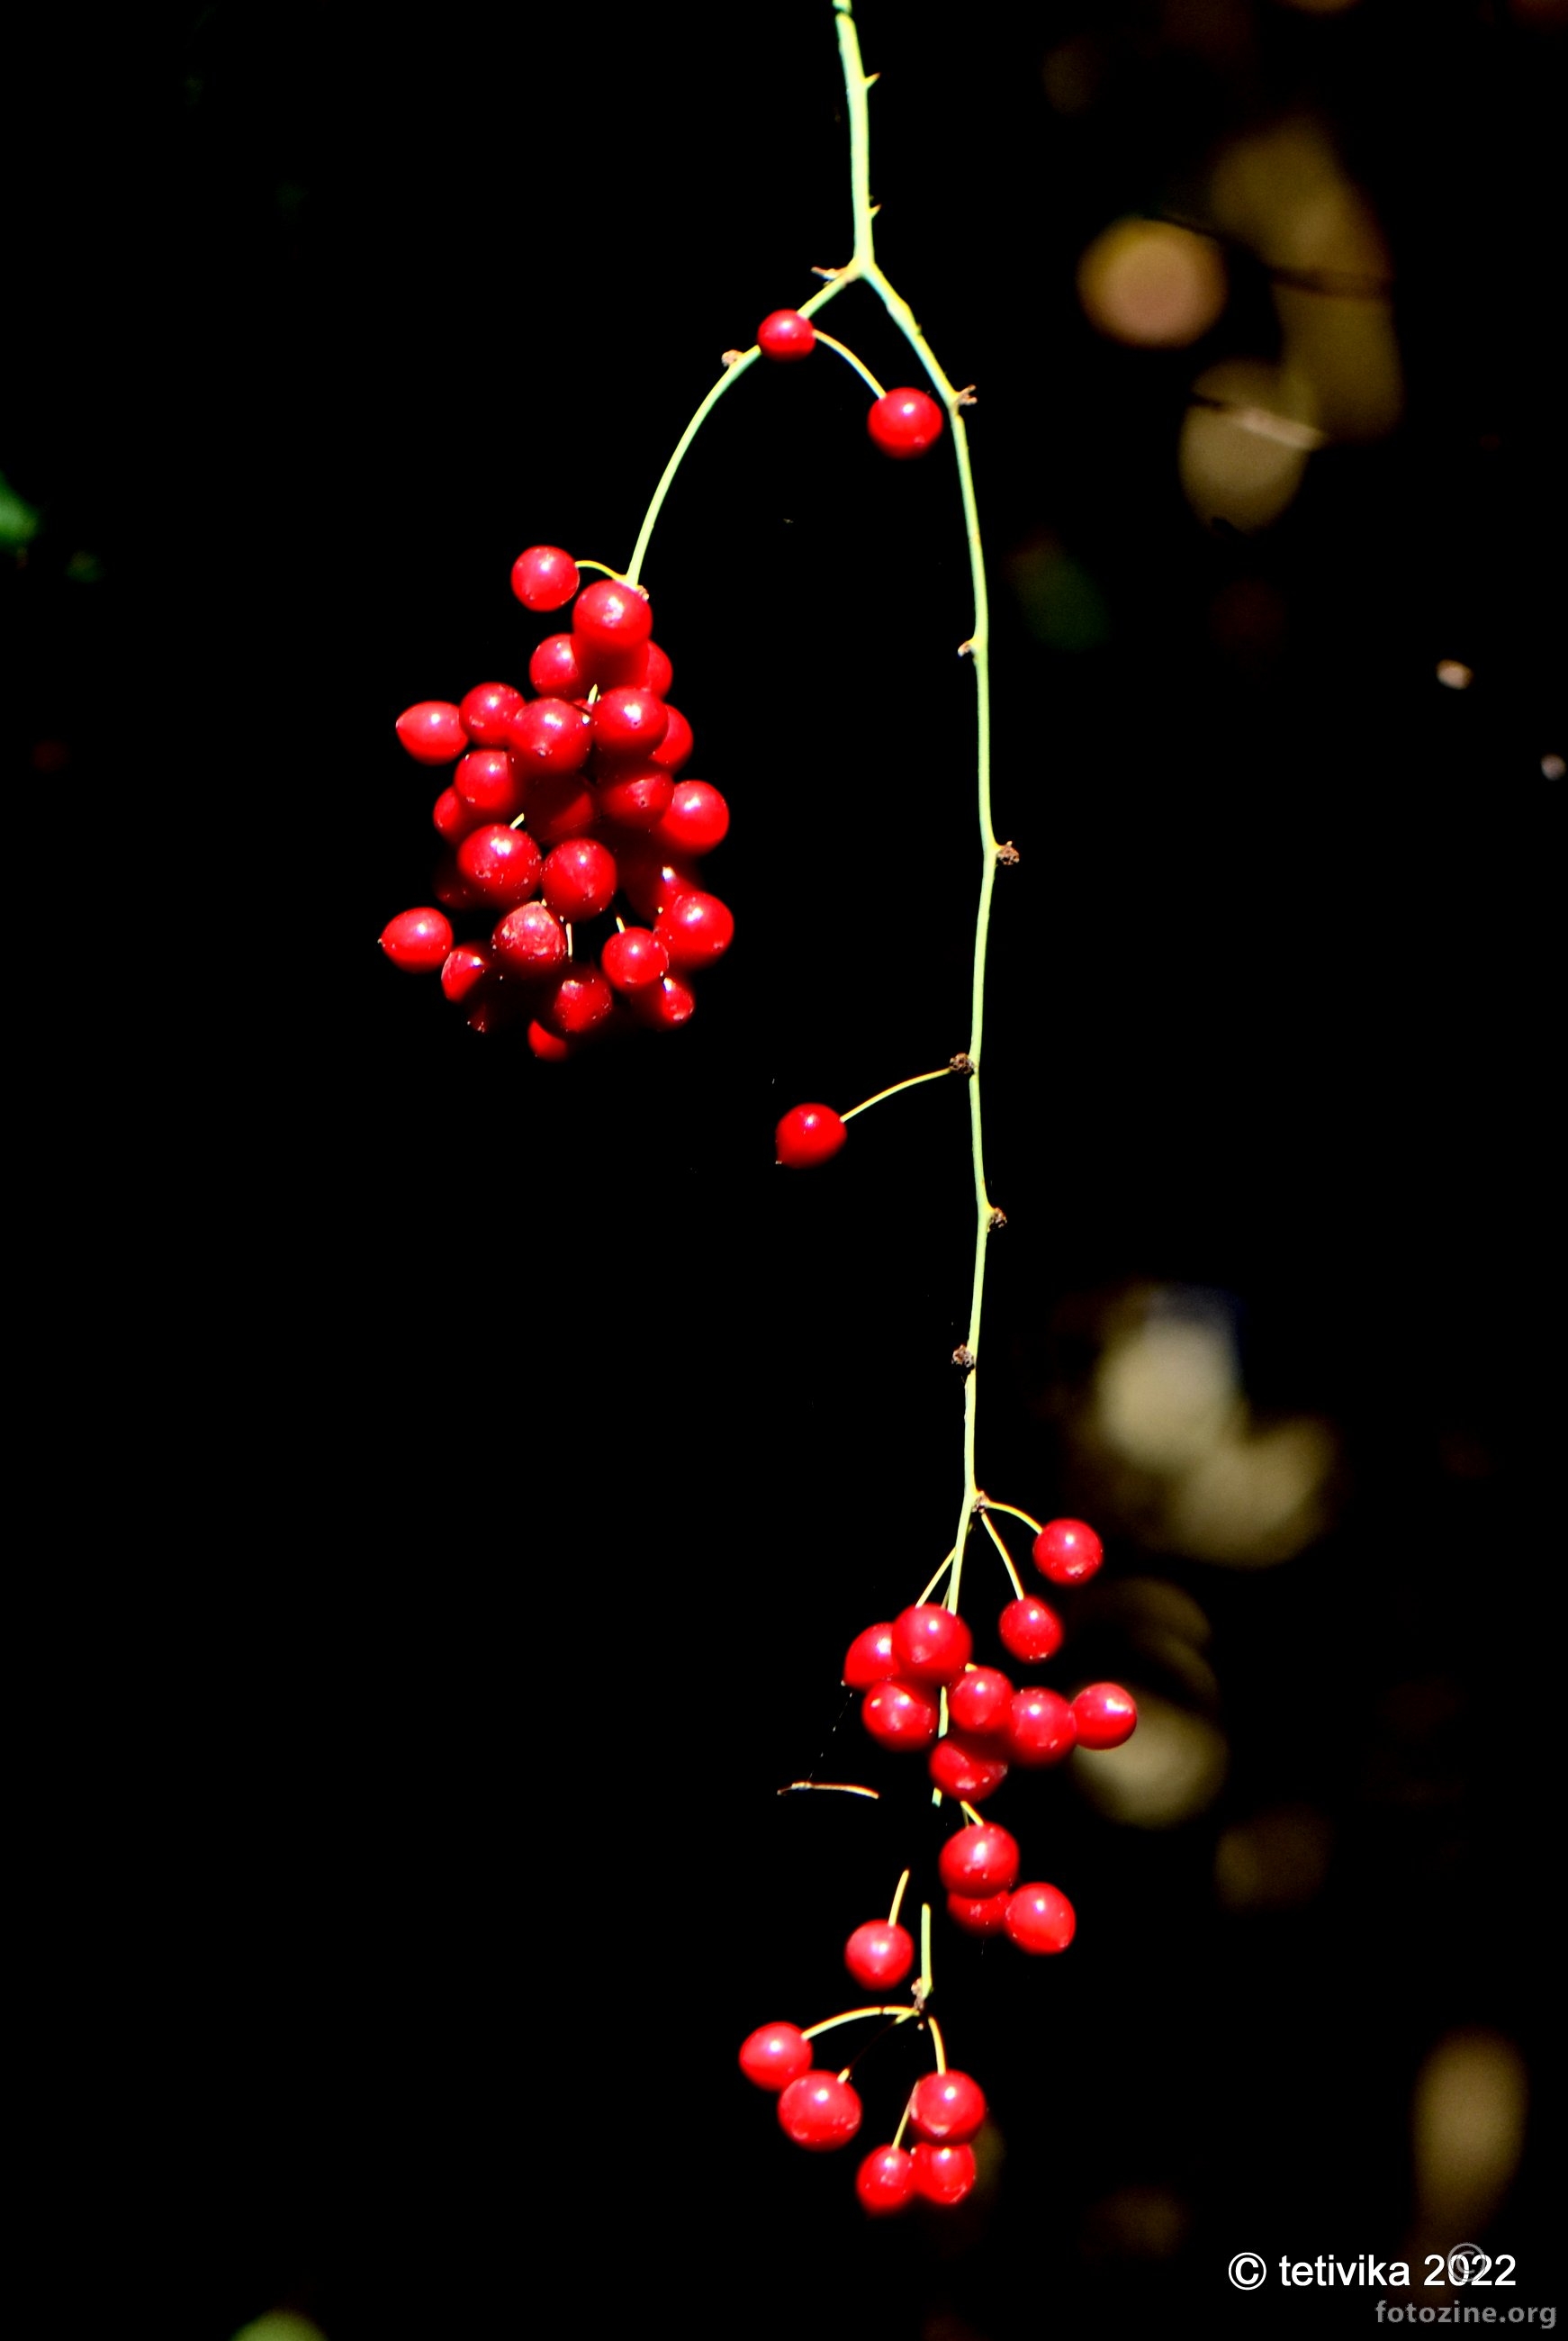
(657, 675)
(775, 2054)
(870, 1658)
(966, 1767)
(675, 748)
(650, 880)
(884, 2181)
(946, 2107)
(432, 731)
(1031, 1629)
(820, 2111)
(550, 1048)
(905, 422)
(577, 1002)
(633, 959)
(552, 733)
(697, 821)
(978, 1699)
(695, 928)
(491, 781)
(578, 879)
(979, 1914)
(1067, 1552)
(786, 335)
(627, 723)
(879, 1954)
(901, 1715)
(544, 577)
(664, 1007)
(980, 1860)
(610, 618)
(1039, 1918)
(455, 817)
(417, 940)
(501, 864)
(943, 2175)
(559, 804)
(487, 710)
(529, 940)
(466, 965)
(557, 670)
(808, 1134)
(931, 1644)
(1041, 1726)
(634, 796)
(1105, 1714)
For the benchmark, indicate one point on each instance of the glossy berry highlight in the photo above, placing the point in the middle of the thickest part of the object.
(905, 423)
(808, 1135)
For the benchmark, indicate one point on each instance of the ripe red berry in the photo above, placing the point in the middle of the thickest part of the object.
(978, 1699)
(697, 819)
(664, 1007)
(633, 959)
(695, 928)
(884, 2181)
(578, 880)
(901, 1715)
(552, 733)
(432, 731)
(775, 2054)
(576, 1002)
(657, 675)
(559, 804)
(529, 940)
(786, 335)
(465, 965)
(649, 880)
(1067, 1552)
(417, 940)
(1041, 1726)
(808, 1134)
(675, 749)
(610, 618)
(1031, 1629)
(544, 577)
(501, 864)
(556, 671)
(879, 1954)
(979, 1914)
(487, 710)
(1040, 1918)
(870, 1658)
(627, 723)
(943, 2175)
(1105, 1714)
(633, 796)
(820, 2111)
(455, 817)
(491, 781)
(980, 1860)
(946, 2107)
(905, 422)
(932, 1645)
(550, 1048)
(967, 1768)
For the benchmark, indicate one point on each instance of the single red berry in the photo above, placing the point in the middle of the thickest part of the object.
(879, 1954)
(695, 928)
(552, 733)
(808, 1134)
(979, 1914)
(486, 713)
(1031, 1629)
(946, 2107)
(501, 864)
(870, 1658)
(1067, 1552)
(465, 965)
(932, 1645)
(432, 731)
(627, 723)
(775, 2054)
(664, 1007)
(556, 671)
(544, 577)
(905, 422)
(529, 940)
(549, 1048)
(675, 749)
(786, 335)
(820, 2111)
(697, 821)
(980, 1860)
(657, 675)
(967, 1768)
(455, 818)
(943, 2175)
(1041, 1726)
(494, 782)
(610, 618)
(901, 1715)
(884, 2181)
(978, 1700)
(417, 940)
(1039, 1918)
(578, 880)
(633, 796)
(633, 959)
(576, 1002)
(1105, 1716)
(559, 805)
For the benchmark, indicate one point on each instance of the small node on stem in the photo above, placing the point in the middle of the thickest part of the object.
(967, 650)
(828, 273)
(966, 397)
(963, 1358)
(1007, 855)
(726, 358)
(997, 1220)
(962, 1063)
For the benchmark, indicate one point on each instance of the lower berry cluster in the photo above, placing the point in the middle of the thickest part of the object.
(556, 807)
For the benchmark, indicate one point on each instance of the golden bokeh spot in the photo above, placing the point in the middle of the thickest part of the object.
(1455, 675)
(1152, 284)
(1244, 442)
(1467, 2122)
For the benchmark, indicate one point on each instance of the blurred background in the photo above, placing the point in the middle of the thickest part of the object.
(489, 1462)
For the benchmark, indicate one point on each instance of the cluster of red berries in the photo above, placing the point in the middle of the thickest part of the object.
(820, 2111)
(902, 422)
(557, 806)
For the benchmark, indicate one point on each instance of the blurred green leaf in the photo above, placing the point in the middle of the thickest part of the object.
(18, 519)
(281, 2324)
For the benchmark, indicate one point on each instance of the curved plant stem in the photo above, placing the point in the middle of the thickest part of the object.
(996, 1536)
(913, 1083)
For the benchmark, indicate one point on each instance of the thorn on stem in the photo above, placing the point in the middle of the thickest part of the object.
(963, 1358)
(1007, 855)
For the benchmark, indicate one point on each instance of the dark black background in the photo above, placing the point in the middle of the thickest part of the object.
(497, 1456)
